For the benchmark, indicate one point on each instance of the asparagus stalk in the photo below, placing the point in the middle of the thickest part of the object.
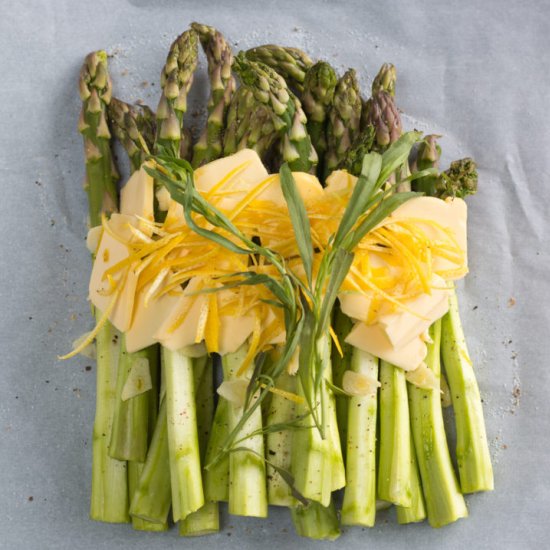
(417, 510)
(176, 79)
(134, 127)
(472, 450)
(394, 468)
(135, 469)
(359, 506)
(319, 85)
(152, 497)
(247, 475)
(315, 521)
(385, 80)
(109, 499)
(129, 434)
(317, 463)
(291, 63)
(271, 92)
(343, 120)
(217, 475)
(206, 519)
(279, 443)
(444, 501)
(183, 444)
(222, 86)
(340, 364)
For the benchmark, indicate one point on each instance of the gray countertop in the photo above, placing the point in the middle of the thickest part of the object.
(475, 72)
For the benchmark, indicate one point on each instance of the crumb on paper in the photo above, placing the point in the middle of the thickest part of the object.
(511, 301)
(144, 84)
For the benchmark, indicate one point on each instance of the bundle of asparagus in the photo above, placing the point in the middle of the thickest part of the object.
(286, 283)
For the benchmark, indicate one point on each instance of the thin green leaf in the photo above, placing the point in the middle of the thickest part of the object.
(396, 155)
(364, 187)
(299, 219)
(340, 266)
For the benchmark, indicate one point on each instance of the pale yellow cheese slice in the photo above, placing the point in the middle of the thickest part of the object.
(136, 198)
(451, 214)
(374, 340)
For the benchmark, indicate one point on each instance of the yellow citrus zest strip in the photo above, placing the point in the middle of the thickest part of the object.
(286, 394)
(253, 346)
(336, 341)
(92, 335)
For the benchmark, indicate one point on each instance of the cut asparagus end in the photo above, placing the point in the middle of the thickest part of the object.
(315, 521)
(204, 521)
(109, 500)
(359, 506)
(444, 501)
(394, 470)
(472, 450)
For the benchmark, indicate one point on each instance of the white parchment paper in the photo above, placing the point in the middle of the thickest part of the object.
(475, 72)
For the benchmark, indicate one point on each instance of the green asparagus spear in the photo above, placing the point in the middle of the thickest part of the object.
(247, 475)
(109, 500)
(381, 113)
(394, 467)
(459, 180)
(385, 80)
(222, 86)
(291, 63)
(343, 120)
(353, 158)
(249, 125)
(270, 91)
(319, 85)
(281, 412)
(428, 155)
(129, 434)
(472, 450)
(152, 497)
(134, 127)
(444, 501)
(206, 519)
(101, 176)
(217, 476)
(176, 79)
(183, 444)
(359, 506)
